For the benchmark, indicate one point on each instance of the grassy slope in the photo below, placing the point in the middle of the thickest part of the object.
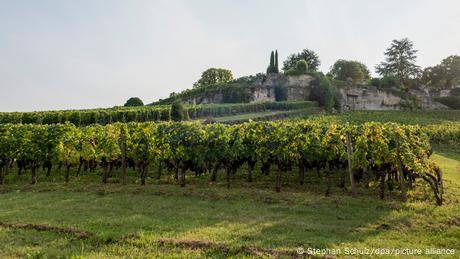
(251, 116)
(128, 220)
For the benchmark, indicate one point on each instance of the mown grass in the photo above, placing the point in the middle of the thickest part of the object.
(129, 221)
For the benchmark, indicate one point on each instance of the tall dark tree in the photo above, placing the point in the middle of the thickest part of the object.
(271, 68)
(277, 70)
(400, 61)
(309, 56)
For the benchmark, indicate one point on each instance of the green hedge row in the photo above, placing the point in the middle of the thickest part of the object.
(143, 114)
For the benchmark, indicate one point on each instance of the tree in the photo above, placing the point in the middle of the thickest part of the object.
(134, 101)
(309, 56)
(177, 111)
(444, 75)
(348, 70)
(301, 66)
(214, 76)
(277, 70)
(400, 61)
(323, 92)
(273, 67)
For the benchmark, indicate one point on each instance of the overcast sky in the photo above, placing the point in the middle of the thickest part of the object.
(67, 54)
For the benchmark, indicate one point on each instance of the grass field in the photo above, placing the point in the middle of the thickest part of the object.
(92, 220)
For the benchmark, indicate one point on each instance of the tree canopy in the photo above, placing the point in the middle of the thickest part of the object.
(444, 75)
(134, 101)
(400, 61)
(308, 55)
(349, 70)
(214, 76)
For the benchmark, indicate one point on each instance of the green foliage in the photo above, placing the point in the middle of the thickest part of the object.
(277, 70)
(193, 146)
(324, 93)
(301, 68)
(388, 81)
(134, 101)
(280, 93)
(177, 111)
(309, 56)
(150, 113)
(348, 70)
(443, 76)
(242, 84)
(375, 81)
(214, 76)
(400, 61)
(273, 66)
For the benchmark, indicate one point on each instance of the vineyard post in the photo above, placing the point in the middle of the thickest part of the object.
(402, 184)
(350, 168)
(278, 178)
(34, 173)
(227, 170)
(1, 175)
(123, 154)
(160, 169)
(302, 172)
(67, 173)
(182, 177)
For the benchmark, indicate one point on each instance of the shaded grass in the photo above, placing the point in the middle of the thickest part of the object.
(129, 220)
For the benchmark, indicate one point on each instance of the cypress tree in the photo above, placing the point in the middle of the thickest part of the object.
(272, 60)
(276, 69)
(271, 67)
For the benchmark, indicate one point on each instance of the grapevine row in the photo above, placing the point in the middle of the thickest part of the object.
(143, 114)
(371, 154)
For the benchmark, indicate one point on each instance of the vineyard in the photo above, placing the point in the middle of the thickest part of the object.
(344, 155)
(146, 113)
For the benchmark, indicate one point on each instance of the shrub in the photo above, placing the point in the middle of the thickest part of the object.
(134, 101)
(389, 81)
(375, 82)
(177, 111)
(324, 93)
(301, 66)
(280, 93)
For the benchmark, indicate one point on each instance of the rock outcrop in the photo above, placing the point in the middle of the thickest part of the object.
(299, 87)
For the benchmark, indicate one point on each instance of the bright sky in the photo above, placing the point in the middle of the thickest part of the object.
(64, 54)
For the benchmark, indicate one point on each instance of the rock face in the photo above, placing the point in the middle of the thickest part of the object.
(363, 98)
(298, 88)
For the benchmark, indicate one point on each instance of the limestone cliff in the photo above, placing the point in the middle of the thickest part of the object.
(352, 97)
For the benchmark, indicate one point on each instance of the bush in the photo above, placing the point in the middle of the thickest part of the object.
(280, 93)
(177, 111)
(134, 101)
(389, 81)
(324, 93)
(375, 82)
(301, 66)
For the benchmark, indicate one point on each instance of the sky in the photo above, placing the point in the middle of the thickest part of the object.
(66, 54)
